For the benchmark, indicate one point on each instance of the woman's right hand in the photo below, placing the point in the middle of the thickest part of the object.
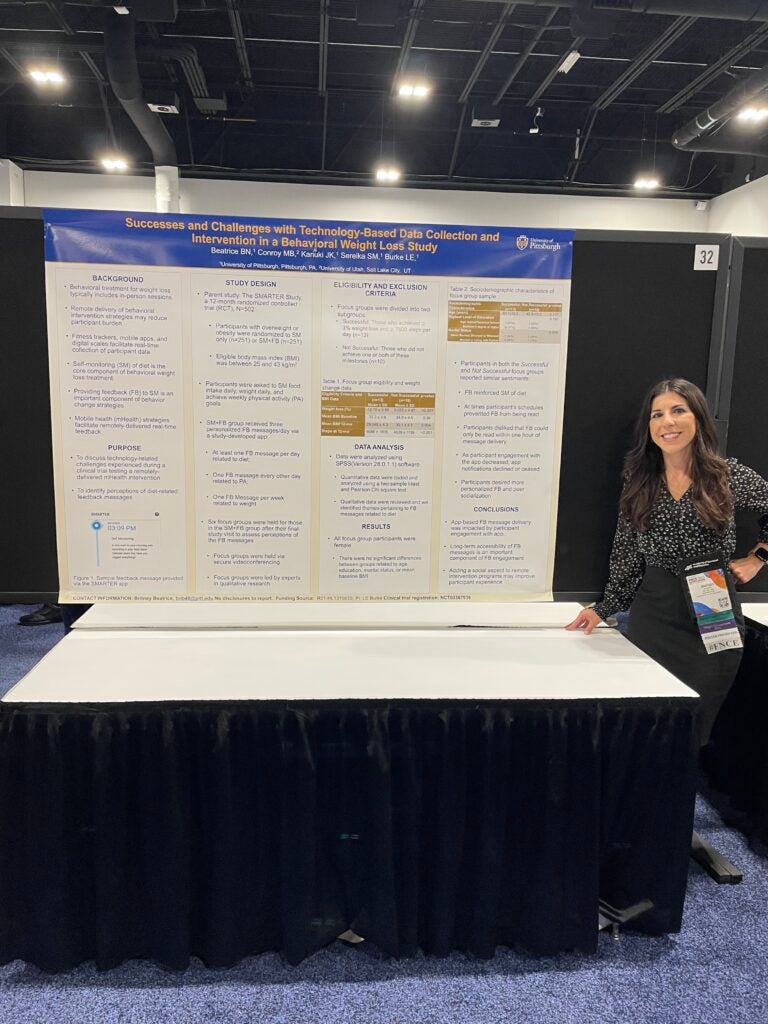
(587, 619)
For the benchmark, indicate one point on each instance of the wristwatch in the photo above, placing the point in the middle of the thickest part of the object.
(762, 554)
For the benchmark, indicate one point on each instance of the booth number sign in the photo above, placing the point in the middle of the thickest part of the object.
(706, 257)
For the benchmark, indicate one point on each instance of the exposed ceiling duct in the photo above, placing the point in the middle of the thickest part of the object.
(123, 72)
(693, 135)
(728, 143)
(732, 10)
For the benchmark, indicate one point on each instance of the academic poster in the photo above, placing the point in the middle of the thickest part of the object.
(282, 409)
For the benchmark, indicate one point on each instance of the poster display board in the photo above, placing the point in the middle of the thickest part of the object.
(253, 408)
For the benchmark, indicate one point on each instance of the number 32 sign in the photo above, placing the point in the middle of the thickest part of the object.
(706, 257)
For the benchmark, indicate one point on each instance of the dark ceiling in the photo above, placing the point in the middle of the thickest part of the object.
(303, 90)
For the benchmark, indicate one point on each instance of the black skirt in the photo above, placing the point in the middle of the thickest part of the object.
(662, 626)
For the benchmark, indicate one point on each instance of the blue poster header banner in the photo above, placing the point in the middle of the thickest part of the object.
(266, 243)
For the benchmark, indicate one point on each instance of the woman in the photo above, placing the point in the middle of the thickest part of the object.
(677, 506)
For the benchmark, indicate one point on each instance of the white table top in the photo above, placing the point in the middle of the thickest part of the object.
(756, 611)
(326, 615)
(466, 664)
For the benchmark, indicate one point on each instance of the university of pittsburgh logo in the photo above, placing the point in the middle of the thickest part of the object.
(522, 242)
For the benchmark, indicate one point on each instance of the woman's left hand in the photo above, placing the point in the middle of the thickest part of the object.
(745, 569)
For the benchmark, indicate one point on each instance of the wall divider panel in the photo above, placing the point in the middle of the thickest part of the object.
(28, 570)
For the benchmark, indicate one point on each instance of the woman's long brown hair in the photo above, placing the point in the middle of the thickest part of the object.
(644, 464)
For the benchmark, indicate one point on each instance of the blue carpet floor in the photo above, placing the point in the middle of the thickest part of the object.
(714, 971)
(22, 646)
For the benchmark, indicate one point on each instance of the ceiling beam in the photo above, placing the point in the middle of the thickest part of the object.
(725, 10)
(526, 53)
(487, 50)
(324, 147)
(577, 42)
(715, 70)
(409, 37)
(644, 60)
(322, 69)
(240, 47)
(12, 60)
(55, 9)
(633, 71)
(457, 140)
(186, 56)
(51, 40)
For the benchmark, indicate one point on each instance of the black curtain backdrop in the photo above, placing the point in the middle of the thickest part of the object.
(223, 829)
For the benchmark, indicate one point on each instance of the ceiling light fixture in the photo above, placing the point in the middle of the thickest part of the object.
(46, 76)
(753, 115)
(646, 183)
(387, 174)
(414, 90)
(568, 62)
(534, 129)
(114, 163)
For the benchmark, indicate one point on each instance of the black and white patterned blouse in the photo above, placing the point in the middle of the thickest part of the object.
(676, 533)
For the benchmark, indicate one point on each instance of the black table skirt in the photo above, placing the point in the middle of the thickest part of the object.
(222, 829)
(736, 759)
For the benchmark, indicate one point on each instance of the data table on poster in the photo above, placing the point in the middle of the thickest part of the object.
(520, 322)
(355, 414)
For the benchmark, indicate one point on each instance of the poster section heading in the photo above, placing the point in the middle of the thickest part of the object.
(267, 244)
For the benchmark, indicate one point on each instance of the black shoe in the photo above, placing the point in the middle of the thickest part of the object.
(45, 615)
